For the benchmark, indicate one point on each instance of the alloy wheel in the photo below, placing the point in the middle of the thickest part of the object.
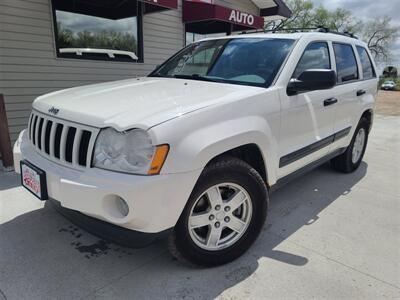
(220, 216)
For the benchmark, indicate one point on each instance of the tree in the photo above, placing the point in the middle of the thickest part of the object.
(305, 15)
(65, 37)
(338, 20)
(106, 39)
(302, 15)
(390, 71)
(379, 34)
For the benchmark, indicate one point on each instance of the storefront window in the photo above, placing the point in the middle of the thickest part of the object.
(86, 33)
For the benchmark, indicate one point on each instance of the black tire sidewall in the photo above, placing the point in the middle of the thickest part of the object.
(232, 171)
(353, 166)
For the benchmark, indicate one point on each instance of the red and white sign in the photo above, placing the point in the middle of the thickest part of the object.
(31, 180)
(199, 10)
(241, 18)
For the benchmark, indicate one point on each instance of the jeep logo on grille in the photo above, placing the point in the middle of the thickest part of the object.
(53, 110)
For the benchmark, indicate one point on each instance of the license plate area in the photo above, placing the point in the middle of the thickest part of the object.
(34, 180)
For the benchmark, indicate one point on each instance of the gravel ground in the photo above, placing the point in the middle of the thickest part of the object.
(388, 103)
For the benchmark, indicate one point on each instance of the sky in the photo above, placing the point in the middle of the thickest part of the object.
(371, 9)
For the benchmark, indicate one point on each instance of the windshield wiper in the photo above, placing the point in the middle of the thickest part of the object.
(156, 75)
(182, 76)
(194, 77)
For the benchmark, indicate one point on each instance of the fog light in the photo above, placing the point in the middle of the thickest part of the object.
(122, 206)
(115, 207)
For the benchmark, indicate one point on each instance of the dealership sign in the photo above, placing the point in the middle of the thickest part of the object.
(241, 18)
(205, 11)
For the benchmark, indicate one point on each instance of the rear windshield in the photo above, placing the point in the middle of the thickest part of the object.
(245, 61)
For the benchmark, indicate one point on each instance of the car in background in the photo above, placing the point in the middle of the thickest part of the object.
(388, 85)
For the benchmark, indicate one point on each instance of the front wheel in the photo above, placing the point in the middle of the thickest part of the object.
(223, 216)
(351, 159)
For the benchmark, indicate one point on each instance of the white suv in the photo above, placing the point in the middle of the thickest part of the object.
(193, 150)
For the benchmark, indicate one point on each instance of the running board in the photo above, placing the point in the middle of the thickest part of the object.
(284, 180)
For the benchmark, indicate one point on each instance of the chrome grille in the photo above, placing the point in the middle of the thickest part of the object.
(61, 141)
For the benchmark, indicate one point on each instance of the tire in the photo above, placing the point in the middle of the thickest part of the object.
(345, 162)
(222, 180)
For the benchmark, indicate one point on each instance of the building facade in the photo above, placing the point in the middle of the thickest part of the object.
(48, 45)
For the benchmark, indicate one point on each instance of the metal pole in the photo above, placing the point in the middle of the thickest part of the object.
(5, 142)
(230, 30)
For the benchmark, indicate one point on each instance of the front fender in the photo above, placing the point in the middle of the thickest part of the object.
(193, 149)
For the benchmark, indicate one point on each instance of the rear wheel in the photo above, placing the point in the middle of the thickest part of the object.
(223, 216)
(351, 159)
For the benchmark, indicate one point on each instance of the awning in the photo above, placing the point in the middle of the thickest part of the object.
(113, 9)
(275, 9)
(203, 18)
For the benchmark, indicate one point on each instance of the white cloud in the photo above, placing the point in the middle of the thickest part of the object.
(368, 10)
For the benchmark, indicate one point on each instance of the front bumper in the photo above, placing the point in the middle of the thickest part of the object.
(110, 232)
(155, 202)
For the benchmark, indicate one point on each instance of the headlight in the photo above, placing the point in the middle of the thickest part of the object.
(130, 152)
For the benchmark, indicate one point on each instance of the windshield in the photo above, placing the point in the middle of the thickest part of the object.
(246, 61)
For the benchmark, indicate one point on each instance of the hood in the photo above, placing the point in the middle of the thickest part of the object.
(140, 102)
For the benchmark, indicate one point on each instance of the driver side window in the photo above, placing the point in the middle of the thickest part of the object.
(316, 56)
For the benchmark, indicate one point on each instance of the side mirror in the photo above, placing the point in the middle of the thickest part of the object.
(311, 80)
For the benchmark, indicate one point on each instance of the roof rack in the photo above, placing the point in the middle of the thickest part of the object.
(303, 29)
(254, 31)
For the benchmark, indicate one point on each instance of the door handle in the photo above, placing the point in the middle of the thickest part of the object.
(360, 92)
(330, 101)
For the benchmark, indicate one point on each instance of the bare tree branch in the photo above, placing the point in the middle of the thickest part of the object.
(380, 33)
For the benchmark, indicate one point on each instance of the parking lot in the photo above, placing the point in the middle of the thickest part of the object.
(328, 235)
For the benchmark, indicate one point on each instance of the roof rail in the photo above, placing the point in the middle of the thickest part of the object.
(254, 31)
(300, 29)
(303, 29)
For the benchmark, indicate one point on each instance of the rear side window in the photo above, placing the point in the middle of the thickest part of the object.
(346, 63)
(316, 56)
(367, 67)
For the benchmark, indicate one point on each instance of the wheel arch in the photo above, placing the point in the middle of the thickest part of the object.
(249, 153)
(369, 116)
